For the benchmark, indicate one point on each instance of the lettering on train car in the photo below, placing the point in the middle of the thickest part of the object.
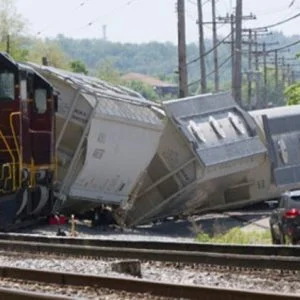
(101, 138)
(98, 153)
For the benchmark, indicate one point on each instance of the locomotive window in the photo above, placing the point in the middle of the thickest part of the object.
(7, 86)
(40, 98)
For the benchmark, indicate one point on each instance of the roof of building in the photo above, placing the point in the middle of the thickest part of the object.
(152, 81)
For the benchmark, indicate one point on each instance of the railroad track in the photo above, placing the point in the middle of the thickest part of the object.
(277, 250)
(129, 285)
(17, 294)
(282, 258)
(183, 253)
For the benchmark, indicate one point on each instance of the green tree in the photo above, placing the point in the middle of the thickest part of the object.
(55, 55)
(108, 73)
(142, 88)
(292, 93)
(78, 66)
(12, 27)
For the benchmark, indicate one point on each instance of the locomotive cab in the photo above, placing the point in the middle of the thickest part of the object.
(27, 142)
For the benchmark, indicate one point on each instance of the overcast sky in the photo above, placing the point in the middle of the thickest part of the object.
(144, 20)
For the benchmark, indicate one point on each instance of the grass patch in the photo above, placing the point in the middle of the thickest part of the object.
(237, 236)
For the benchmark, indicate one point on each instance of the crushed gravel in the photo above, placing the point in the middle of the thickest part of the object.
(74, 292)
(269, 280)
(176, 231)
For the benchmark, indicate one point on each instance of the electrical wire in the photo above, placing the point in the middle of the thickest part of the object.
(214, 71)
(220, 66)
(194, 3)
(292, 3)
(278, 23)
(210, 50)
(81, 4)
(92, 22)
(284, 47)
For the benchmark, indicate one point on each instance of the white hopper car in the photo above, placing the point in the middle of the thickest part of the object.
(213, 155)
(117, 149)
(106, 137)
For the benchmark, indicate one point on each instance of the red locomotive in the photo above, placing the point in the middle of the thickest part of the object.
(27, 143)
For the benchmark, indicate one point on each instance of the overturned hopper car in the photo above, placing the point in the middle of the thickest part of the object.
(106, 137)
(213, 155)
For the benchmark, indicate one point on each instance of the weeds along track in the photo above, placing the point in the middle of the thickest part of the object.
(242, 256)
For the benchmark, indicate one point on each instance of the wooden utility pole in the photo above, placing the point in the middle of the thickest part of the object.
(265, 63)
(201, 48)
(261, 102)
(232, 49)
(265, 75)
(283, 72)
(257, 74)
(289, 74)
(215, 41)
(8, 44)
(250, 72)
(276, 68)
(237, 83)
(292, 77)
(182, 67)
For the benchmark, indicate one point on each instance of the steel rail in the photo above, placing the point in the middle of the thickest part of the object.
(140, 286)
(17, 294)
(275, 250)
(187, 257)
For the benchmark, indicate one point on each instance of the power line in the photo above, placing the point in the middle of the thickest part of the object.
(210, 50)
(278, 23)
(212, 72)
(292, 3)
(284, 47)
(194, 3)
(92, 22)
(81, 4)
(221, 65)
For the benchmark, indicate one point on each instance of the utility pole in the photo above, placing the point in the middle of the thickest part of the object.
(292, 77)
(236, 48)
(257, 73)
(232, 49)
(276, 68)
(214, 28)
(182, 67)
(250, 73)
(261, 102)
(283, 72)
(265, 75)
(104, 35)
(289, 74)
(237, 83)
(201, 48)
(8, 44)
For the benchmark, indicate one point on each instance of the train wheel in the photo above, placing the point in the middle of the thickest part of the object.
(24, 200)
(42, 197)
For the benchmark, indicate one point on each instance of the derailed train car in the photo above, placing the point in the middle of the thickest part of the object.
(213, 155)
(106, 137)
(116, 148)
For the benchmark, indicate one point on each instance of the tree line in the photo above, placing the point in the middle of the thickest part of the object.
(110, 60)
